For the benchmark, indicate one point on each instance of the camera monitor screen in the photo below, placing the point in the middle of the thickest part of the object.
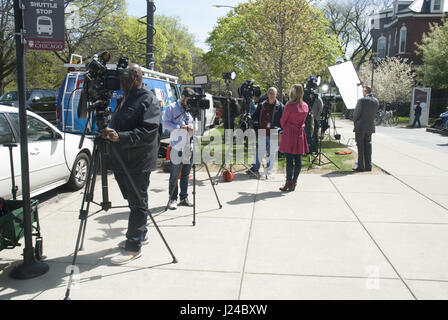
(348, 82)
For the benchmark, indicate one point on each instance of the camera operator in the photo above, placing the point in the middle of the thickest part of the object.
(255, 102)
(134, 130)
(267, 117)
(178, 120)
(316, 110)
(230, 111)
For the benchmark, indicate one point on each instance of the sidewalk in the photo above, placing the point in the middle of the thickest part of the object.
(354, 236)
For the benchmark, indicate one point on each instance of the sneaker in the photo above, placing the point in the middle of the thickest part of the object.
(186, 203)
(122, 244)
(125, 257)
(172, 205)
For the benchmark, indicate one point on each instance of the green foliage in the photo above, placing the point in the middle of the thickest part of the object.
(228, 47)
(434, 52)
(276, 42)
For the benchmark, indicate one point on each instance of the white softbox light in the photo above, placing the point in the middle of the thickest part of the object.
(347, 80)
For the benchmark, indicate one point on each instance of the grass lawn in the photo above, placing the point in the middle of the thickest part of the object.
(329, 148)
(405, 121)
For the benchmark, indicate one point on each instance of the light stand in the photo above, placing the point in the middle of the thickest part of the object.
(230, 147)
(324, 117)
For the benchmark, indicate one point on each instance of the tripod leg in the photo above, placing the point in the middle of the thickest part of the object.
(88, 194)
(75, 256)
(137, 193)
(221, 170)
(214, 189)
(90, 189)
(106, 204)
(194, 194)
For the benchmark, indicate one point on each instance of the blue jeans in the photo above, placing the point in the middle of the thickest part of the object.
(417, 119)
(293, 166)
(139, 214)
(257, 164)
(175, 169)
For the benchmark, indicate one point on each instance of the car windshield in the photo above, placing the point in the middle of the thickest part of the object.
(12, 96)
(9, 96)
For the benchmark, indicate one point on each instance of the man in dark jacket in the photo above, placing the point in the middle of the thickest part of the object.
(134, 132)
(364, 119)
(266, 118)
(417, 115)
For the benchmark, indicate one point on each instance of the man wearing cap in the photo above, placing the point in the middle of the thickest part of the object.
(229, 112)
(178, 120)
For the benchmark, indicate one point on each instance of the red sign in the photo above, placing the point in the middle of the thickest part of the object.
(45, 44)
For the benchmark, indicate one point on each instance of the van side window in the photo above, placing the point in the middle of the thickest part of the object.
(174, 91)
(6, 135)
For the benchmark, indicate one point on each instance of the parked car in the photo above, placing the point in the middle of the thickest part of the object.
(54, 157)
(40, 101)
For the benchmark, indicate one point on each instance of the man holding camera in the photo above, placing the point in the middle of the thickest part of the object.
(364, 119)
(229, 112)
(178, 120)
(266, 118)
(134, 132)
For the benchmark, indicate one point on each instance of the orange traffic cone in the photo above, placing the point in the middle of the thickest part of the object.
(168, 156)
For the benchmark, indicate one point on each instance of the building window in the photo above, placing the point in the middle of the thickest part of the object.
(389, 44)
(381, 47)
(403, 35)
(437, 5)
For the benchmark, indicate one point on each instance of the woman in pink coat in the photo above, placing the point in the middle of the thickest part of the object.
(293, 143)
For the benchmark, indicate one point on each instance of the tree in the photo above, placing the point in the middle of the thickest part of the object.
(228, 49)
(393, 79)
(434, 53)
(7, 46)
(350, 22)
(94, 18)
(292, 41)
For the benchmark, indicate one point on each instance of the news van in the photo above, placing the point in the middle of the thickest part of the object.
(165, 87)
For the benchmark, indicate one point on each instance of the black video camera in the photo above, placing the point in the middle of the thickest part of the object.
(248, 90)
(198, 101)
(100, 82)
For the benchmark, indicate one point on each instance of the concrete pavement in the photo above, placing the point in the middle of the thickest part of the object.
(339, 236)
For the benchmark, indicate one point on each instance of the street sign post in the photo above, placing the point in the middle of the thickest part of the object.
(44, 25)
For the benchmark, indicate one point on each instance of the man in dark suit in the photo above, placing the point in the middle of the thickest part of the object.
(364, 119)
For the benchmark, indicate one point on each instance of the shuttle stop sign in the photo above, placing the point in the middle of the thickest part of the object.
(44, 25)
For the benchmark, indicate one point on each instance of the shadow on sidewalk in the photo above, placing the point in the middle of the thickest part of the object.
(339, 174)
(57, 277)
(247, 198)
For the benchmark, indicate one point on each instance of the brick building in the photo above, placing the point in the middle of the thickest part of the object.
(397, 30)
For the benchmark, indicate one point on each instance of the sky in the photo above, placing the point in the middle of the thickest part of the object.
(197, 15)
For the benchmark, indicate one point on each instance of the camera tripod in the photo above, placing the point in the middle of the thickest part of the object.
(195, 138)
(319, 154)
(223, 167)
(100, 150)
